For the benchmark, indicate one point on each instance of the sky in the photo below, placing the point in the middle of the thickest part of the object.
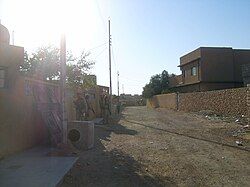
(148, 36)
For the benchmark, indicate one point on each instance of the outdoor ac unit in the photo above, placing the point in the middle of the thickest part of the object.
(81, 134)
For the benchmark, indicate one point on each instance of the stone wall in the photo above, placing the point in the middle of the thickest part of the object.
(226, 102)
(248, 100)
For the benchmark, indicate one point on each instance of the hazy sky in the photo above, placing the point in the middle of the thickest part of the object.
(148, 36)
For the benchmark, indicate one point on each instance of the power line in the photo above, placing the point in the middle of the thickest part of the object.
(133, 80)
(97, 47)
(100, 14)
(100, 53)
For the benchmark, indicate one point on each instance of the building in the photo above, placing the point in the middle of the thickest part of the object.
(210, 68)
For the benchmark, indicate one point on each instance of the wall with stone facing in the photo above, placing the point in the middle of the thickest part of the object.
(248, 100)
(226, 102)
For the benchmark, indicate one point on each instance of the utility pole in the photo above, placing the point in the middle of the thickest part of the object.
(110, 78)
(0, 31)
(63, 86)
(123, 88)
(118, 86)
(13, 37)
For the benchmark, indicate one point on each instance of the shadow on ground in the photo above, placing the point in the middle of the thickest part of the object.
(99, 167)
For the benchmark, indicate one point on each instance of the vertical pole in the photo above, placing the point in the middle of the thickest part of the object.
(13, 39)
(63, 86)
(110, 78)
(0, 31)
(118, 86)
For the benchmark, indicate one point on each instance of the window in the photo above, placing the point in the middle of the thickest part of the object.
(2, 77)
(183, 73)
(193, 71)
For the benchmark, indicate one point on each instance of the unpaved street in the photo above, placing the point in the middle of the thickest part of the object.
(160, 147)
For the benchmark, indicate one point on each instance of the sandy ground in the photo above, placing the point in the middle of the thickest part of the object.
(160, 147)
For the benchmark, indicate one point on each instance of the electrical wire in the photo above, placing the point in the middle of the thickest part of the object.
(100, 53)
(100, 14)
(97, 47)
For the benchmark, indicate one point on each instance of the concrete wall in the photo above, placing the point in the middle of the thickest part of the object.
(241, 57)
(217, 65)
(190, 56)
(21, 126)
(226, 102)
(167, 100)
(163, 101)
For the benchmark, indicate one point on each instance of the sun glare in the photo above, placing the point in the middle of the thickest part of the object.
(46, 20)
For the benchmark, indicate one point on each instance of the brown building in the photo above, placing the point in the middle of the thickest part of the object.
(210, 68)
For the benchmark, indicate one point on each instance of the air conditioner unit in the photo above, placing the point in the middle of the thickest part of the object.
(81, 134)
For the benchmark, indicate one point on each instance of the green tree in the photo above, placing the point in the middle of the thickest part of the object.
(45, 62)
(78, 69)
(158, 84)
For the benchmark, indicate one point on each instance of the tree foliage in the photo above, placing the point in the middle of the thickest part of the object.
(45, 62)
(158, 84)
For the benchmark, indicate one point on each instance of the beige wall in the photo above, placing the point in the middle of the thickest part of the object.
(167, 100)
(225, 102)
(163, 101)
(21, 126)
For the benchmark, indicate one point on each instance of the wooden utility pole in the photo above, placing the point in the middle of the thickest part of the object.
(110, 78)
(118, 86)
(13, 38)
(63, 86)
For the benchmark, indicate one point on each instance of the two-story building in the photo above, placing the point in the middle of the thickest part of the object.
(211, 68)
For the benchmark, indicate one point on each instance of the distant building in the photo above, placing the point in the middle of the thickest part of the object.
(210, 68)
(131, 100)
(103, 89)
(11, 57)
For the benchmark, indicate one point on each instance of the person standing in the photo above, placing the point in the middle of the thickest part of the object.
(80, 106)
(89, 107)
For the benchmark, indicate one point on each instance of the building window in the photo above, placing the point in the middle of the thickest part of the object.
(2, 77)
(183, 73)
(194, 71)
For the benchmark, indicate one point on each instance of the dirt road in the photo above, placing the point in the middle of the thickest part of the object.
(149, 147)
